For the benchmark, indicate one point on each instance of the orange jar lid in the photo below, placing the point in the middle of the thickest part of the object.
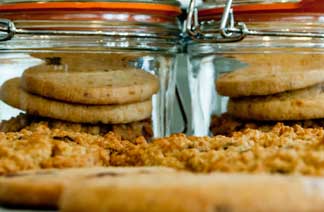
(169, 7)
(267, 7)
(253, 7)
(271, 18)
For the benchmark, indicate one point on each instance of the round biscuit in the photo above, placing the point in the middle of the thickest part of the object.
(43, 188)
(93, 61)
(266, 74)
(188, 192)
(12, 94)
(301, 104)
(102, 86)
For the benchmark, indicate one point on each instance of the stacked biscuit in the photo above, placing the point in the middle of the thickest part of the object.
(105, 96)
(279, 89)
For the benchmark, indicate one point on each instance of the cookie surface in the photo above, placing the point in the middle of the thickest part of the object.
(301, 104)
(266, 75)
(89, 61)
(186, 192)
(101, 86)
(12, 94)
(42, 188)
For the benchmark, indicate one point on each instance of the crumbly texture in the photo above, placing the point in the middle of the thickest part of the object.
(281, 149)
(42, 188)
(45, 148)
(266, 75)
(226, 124)
(12, 94)
(300, 104)
(95, 87)
(187, 192)
(127, 131)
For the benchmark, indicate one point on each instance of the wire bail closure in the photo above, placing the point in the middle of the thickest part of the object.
(231, 31)
(8, 31)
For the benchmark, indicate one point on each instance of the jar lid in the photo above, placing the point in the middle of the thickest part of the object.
(260, 6)
(221, 3)
(217, 24)
(109, 18)
(171, 7)
(251, 5)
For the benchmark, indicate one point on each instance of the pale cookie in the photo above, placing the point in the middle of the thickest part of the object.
(301, 104)
(266, 74)
(187, 192)
(42, 188)
(92, 61)
(101, 86)
(13, 95)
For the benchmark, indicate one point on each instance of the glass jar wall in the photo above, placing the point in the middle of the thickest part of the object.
(256, 57)
(89, 66)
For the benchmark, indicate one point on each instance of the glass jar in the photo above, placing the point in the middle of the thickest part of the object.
(264, 35)
(69, 46)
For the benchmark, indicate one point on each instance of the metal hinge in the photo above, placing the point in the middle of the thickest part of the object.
(231, 31)
(8, 30)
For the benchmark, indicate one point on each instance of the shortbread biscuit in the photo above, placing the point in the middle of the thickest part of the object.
(13, 95)
(301, 104)
(42, 188)
(89, 61)
(101, 86)
(187, 192)
(270, 74)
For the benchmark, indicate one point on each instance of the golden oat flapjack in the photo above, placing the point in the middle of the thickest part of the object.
(45, 148)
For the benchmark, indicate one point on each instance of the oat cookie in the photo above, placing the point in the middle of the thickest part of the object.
(13, 95)
(265, 75)
(301, 104)
(187, 192)
(42, 188)
(89, 61)
(101, 86)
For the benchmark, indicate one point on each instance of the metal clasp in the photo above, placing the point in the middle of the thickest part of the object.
(8, 31)
(231, 31)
